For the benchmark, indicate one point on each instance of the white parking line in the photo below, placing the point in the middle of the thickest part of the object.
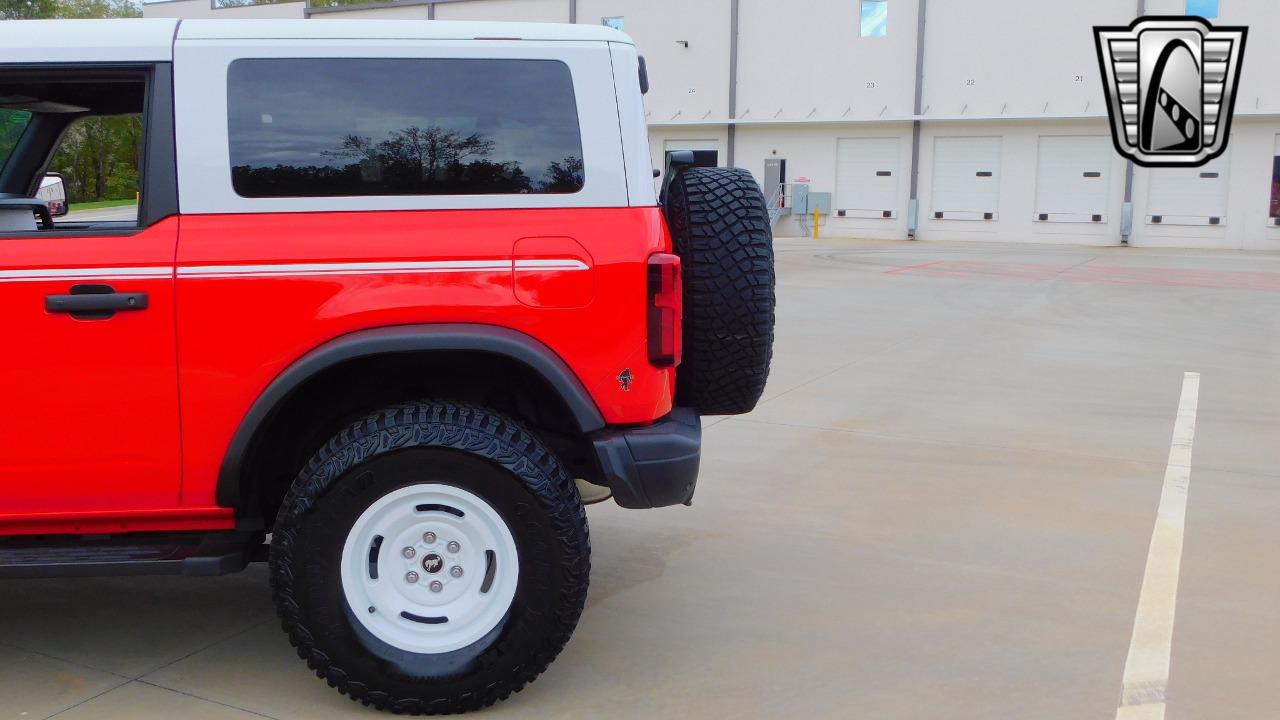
(1146, 671)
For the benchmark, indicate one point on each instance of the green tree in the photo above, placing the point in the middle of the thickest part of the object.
(99, 158)
(28, 9)
(97, 9)
(12, 124)
(37, 9)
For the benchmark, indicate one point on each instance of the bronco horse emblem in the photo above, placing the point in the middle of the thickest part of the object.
(433, 563)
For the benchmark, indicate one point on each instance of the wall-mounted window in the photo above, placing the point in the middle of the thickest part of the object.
(617, 23)
(875, 18)
(1207, 9)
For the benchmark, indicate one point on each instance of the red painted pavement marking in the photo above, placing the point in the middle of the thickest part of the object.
(1103, 274)
(908, 268)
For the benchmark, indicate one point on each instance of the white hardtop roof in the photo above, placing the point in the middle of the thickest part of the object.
(46, 41)
(392, 30)
(151, 39)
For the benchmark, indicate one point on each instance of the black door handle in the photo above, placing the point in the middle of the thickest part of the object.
(94, 302)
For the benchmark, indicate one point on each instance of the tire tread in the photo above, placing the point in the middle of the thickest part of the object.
(721, 230)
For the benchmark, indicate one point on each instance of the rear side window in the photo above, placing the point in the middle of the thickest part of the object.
(344, 127)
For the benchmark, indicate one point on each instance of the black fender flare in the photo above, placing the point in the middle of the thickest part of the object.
(447, 337)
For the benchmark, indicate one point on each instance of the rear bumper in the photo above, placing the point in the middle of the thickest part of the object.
(652, 466)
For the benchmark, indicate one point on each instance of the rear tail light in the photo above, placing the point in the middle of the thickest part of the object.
(665, 301)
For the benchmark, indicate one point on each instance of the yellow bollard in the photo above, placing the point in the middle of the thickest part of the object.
(817, 218)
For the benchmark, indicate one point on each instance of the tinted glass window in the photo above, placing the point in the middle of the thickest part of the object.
(98, 159)
(341, 127)
(12, 124)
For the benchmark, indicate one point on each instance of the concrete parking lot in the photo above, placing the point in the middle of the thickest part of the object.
(942, 509)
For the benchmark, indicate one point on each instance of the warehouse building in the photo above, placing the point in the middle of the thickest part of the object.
(982, 120)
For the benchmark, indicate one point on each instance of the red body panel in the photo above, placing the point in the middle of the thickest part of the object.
(550, 288)
(120, 521)
(90, 419)
(238, 333)
(93, 440)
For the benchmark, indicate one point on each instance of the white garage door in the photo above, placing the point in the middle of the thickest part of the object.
(867, 177)
(966, 178)
(1189, 196)
(1073, 178)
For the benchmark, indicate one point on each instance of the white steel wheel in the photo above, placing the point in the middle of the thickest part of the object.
(430, 568)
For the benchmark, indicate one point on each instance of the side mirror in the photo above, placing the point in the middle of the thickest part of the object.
(53, 190)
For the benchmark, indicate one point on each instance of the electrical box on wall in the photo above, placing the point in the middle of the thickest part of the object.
(820, 201)
(804, 202)
(799, 198)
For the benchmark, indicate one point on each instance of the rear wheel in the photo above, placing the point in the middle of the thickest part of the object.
(432, 558)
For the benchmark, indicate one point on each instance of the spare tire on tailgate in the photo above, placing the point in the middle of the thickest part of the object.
(721, 231)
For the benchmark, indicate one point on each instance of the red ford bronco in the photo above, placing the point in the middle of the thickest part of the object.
(394, 296)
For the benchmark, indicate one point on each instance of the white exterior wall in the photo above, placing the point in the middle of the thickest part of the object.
(687, 84)
(203, 9)
(1013, 57)
(799, 61)
(810, 151)
(1258, 90)
(1012, 69)
(505, 10)
(404, 12)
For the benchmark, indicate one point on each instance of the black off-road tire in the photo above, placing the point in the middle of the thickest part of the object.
(720, 227)
(466, 446)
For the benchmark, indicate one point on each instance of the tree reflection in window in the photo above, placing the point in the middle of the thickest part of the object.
(485, 127)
